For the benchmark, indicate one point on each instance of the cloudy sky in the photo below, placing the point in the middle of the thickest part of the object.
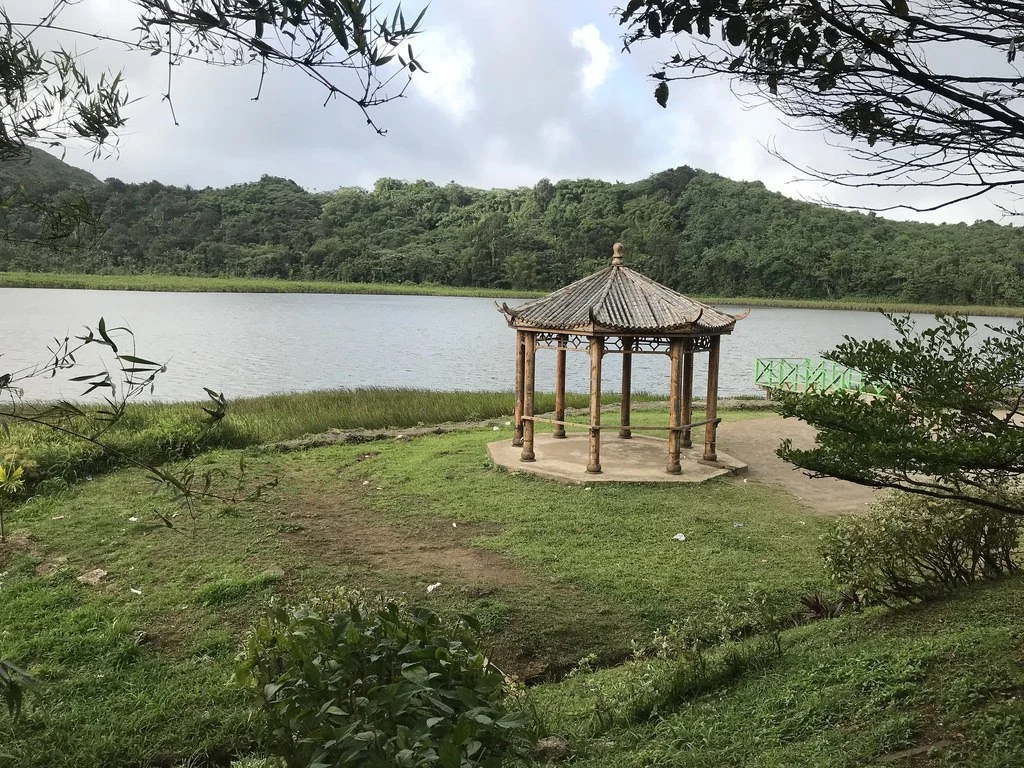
(516, 91)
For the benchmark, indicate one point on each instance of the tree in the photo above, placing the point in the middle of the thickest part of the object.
(929, 92)
(353, 48)
(951, 425)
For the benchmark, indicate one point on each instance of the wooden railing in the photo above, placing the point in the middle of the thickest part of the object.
(584, 426)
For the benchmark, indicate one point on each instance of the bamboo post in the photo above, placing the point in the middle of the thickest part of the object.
(529, 382)
(596, 352)
(688, 393)
(627, 384)
(711, 430)
(517, 418)
(674, 407)
(560, 386)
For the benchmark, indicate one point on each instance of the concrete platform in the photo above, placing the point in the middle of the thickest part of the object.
(640, 459)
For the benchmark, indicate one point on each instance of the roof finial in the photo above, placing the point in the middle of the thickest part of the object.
(617, 255)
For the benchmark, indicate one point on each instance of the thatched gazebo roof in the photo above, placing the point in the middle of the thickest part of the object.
(619, 300)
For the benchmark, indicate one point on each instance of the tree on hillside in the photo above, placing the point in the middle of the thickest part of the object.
(355, 49)
(929, 93)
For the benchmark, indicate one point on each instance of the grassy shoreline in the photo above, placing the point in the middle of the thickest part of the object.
(176, 283)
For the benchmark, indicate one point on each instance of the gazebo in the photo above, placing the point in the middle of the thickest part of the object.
(618, 311)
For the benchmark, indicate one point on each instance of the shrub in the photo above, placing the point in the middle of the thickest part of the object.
(351, 681)
(913, 548)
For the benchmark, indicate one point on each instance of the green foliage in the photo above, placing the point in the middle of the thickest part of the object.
(154, 433)
(355, 681)
(11, 482)
(913, 548)
(13, 681)
(953, 430)
(694, 231)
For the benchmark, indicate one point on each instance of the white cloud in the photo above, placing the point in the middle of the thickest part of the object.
(555, 136)
(595, 71)
(505, 100)
(449, 63)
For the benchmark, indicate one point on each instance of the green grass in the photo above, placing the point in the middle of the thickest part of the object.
(868, 305)
(178, 283)
(136, 671)
(845, 693)
(551, 570)
(159, 432)
(157, 282)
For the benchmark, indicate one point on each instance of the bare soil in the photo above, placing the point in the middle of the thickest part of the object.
(754, 441)
(341, 522)
(541, 637)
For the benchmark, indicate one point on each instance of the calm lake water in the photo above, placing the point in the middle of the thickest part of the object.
(255, 344)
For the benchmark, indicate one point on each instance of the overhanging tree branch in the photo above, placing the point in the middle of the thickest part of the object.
(878, 72)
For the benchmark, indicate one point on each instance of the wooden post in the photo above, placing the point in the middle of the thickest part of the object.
(596, 352)
(529, 382)
(675, 411)
(517, 418)
(627, 384)
(560, 386)
(711, 429)
(688, 392)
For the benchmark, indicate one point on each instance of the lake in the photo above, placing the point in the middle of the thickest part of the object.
(255, 344)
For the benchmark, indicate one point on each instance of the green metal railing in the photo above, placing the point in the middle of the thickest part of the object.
(800, 375)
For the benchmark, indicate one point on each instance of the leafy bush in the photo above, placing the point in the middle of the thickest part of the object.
(915, 548)
(351, 681)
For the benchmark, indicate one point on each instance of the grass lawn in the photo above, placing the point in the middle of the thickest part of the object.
(550, 570)
(136, 670)
(923, 687)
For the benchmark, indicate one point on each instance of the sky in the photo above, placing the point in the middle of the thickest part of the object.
(514, 92)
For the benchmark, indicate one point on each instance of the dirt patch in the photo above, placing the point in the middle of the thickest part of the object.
(754, 441)
(14, 543)
(546, 624)
(433, 551)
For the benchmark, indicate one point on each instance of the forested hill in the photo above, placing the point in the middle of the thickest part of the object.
(695, 231)
(43, 174)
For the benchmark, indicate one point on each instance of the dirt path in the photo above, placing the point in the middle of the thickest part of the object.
(753, 441)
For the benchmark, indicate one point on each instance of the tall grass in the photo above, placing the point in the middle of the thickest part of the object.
(156, 282)
(157, 432)
(184, 284)
(867, 305)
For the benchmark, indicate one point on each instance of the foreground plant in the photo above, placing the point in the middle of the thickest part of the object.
(910, 548)
(122, 377)
(373, 682)
(953, 430)
(11, 481)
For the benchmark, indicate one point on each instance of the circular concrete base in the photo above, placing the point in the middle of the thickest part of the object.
(640, 459)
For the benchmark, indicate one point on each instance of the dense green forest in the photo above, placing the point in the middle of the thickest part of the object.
(695, 231)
